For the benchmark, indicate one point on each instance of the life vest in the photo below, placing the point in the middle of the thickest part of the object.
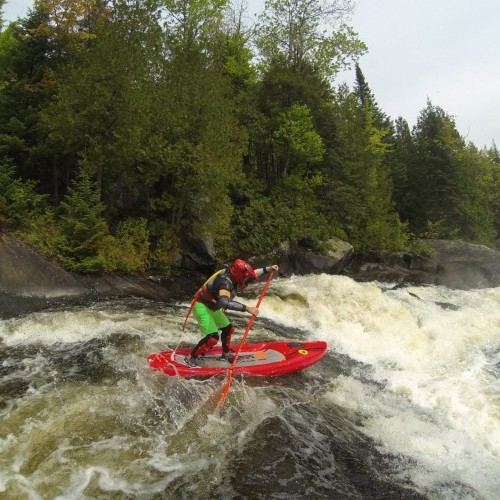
(208, 294)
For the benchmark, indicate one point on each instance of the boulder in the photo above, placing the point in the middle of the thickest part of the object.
(30, 282)
(25, 272)
(196, 254)
(455, 264)
(465, 265)
(332, 258)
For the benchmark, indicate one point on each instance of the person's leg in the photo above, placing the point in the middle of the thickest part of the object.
(226, 335)
(208, 328)
(227, 330)
(204, 345)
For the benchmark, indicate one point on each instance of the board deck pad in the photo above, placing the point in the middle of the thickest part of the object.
(264, 359)
(252, 358)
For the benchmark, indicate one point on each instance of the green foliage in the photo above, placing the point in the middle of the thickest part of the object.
(188, 134)
(165, 247)
(290, 213)
(449, 183)
(128, 250)
(20, 203)
(361, 185)
(420, 247)
(295, 140)
(309, 32)
(198, 147)
(492, 156)
(440, 229)
(84, 228)
(193, 23)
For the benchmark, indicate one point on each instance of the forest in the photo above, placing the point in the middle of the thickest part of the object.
(127, 126)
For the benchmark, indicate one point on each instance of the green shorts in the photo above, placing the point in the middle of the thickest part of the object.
(208, 320)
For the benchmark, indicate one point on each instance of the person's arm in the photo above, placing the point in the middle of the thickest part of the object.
(226, 303)
(264, 270)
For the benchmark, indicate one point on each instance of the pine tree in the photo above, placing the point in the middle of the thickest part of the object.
(366, 99)
(83, 225)
(475, 211)
(448, 182)
(494, 156)
(402, 157)
(360, 179)
(433, 178)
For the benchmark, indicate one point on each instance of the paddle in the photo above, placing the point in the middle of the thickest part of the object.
(227, 385)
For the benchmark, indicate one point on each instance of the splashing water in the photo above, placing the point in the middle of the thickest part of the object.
(405, 404)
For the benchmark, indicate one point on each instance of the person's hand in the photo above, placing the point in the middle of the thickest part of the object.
(275, 268)
(253, 310)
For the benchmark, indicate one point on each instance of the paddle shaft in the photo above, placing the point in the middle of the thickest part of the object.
(227, 385)
(196, 295)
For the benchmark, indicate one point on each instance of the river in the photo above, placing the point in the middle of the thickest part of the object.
(406, 403)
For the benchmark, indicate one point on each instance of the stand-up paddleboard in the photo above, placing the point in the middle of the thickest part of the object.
(264, 359)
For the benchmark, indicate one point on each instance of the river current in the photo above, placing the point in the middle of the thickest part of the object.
(405, 404)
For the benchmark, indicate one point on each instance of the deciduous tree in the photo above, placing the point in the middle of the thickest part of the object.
(309, 32)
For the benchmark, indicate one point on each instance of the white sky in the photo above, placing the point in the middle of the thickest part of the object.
(445, 50)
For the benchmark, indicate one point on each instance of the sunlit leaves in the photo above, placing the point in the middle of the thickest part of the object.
(309, 31)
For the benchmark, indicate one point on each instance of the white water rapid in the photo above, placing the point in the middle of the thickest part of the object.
(406, 404)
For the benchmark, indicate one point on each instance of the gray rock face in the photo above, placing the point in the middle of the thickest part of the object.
(24, 272)
(462, 264)
(331, 260)
(28, 282)
(455, 264)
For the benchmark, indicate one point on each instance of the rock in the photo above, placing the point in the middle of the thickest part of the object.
(29, 282)
(196, 255)
(24, 272)
(332, 259)
(465, 265)
(455, 264)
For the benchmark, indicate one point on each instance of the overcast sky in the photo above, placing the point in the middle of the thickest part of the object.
(444, 50)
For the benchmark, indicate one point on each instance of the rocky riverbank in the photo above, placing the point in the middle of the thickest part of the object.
(29, 282)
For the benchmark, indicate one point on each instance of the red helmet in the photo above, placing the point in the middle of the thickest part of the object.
(241, 271)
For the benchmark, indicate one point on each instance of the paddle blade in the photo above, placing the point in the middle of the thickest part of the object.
(227, 385)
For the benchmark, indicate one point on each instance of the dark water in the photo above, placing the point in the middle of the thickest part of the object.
(83, 416)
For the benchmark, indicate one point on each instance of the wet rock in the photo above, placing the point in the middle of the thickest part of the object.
(24, 272)
(331, 259)
(454, 264)
(29, 282)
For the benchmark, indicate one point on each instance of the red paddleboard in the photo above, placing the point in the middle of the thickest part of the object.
(264, 360)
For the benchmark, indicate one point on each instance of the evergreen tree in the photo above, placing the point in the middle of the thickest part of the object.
(43, 45)
(360, 181)
(448, 182)
(366, 99)
(197, 144)
(494, 157)
(20, 205)
(198, 149)
(83, 225)
(105, 108)
(27, 86)
(434, 178)
(402, 158)
(475, 219)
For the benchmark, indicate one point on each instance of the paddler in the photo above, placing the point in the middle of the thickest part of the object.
(216, 296)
